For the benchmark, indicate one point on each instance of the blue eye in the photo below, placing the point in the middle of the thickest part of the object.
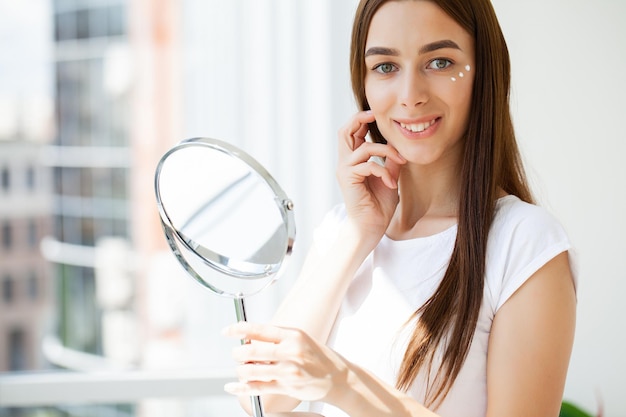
(384, 68)
(439, 63)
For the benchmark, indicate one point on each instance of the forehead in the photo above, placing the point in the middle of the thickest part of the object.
(412, 23)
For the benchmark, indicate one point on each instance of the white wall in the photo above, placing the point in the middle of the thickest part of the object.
(569, 58)
(272, 76)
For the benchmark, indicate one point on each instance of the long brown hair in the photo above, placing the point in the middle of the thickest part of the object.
(491, 161)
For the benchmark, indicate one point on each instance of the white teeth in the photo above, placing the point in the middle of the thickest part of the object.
(417, 127)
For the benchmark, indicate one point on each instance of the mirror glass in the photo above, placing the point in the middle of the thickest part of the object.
(225, 218)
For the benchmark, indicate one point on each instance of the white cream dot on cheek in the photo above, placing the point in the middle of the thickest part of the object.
(453, 79)
(467, 68)
(461, 74)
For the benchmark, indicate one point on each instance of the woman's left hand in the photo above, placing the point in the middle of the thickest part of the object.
(284, 361)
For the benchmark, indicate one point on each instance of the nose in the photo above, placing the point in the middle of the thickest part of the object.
(413, 89)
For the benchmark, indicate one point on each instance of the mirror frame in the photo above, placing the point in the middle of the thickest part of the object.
(217, 261)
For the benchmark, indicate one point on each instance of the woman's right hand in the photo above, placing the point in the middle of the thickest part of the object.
(369, 190)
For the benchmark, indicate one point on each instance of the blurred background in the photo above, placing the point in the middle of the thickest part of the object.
(96, 316)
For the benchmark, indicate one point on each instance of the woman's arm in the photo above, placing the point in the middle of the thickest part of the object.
(370, 196)
(288, 362)
(530, 344)
(314, 300)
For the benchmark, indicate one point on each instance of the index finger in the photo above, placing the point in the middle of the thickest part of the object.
(355, 131)
(255, 331)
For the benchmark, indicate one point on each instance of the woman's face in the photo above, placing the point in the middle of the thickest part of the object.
(419, 76)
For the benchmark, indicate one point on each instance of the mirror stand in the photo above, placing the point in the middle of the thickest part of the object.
(240, 310)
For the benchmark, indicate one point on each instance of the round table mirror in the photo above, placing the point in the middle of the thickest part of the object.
(227, 221)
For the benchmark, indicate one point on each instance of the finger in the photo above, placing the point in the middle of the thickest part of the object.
(256, 352)
(255, 331)
(354, 132)
(253, 388)
(372, 168)
(263, 372)
(359, 137)
(360, 120)
(368, 150)
(286, 372)
(393, 166)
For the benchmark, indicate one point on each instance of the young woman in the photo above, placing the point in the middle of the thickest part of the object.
(437, 287)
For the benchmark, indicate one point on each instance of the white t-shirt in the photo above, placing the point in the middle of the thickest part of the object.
(399, 276)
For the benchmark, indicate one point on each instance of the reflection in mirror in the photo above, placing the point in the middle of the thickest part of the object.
(225, 218)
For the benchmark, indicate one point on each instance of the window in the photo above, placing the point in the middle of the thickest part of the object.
(17, 350)
(6, 179)
(32, 234)
(7, 235)
(98, 21)
(33, 286)
(30, 178)
(8, 289)
(65, 26)
(82, 24)
(90, 22)
(117, 20)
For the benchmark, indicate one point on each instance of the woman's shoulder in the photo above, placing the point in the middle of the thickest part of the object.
(521, 229)
(514, 215)
(523, 238)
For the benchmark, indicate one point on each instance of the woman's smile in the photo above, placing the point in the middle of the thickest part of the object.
(419, 129)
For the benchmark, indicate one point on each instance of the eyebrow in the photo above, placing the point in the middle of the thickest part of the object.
(446, 43)
(429, 47)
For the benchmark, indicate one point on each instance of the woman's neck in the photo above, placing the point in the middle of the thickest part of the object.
(429, 201)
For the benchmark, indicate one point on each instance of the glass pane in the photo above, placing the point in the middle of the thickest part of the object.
(82, 24)
(8, 289)
(30, 178)
(33, 286)
(98, 22)
(33, 238)
(17, 350)
(65, 26)
(117, 20)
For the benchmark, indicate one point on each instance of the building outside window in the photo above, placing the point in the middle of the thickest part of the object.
(91, 200)
(112, 123)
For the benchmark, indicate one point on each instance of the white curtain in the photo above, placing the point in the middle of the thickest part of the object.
(272, 77)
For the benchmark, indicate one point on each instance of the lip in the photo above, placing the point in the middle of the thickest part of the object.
(429, 131)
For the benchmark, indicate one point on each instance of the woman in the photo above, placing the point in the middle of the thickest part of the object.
(437, 288)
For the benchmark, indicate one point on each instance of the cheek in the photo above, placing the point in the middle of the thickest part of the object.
(463, 74)
(376, 96)
(456, 91)
(465, 93)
